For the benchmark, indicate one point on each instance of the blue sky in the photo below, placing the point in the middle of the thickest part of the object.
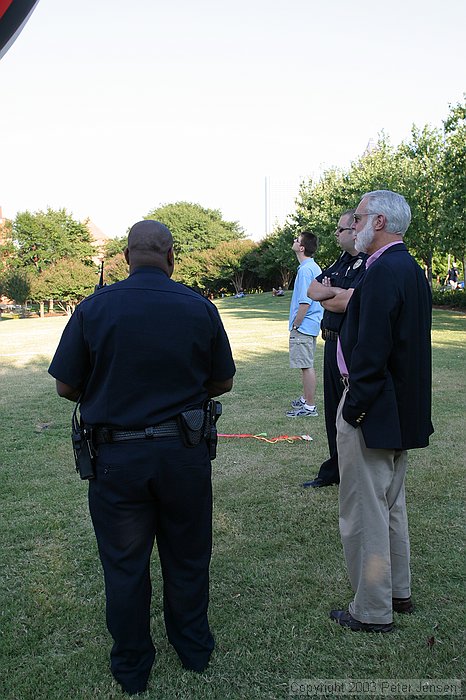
(113, 108)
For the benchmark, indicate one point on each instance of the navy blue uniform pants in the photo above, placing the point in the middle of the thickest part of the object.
(333, 391)
(145, 490)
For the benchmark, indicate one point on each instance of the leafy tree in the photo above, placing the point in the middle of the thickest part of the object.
(115, 269)
(412, 169)
(115, 246)
(195, 228)
(44, 238)
(419, 168)
(275, 260)
(225, 267)
(192, 270)
(320, 204)
(7, 248)
(375, 170)
(115, 265)
(16, 285)
(67, 281)
(453, 174)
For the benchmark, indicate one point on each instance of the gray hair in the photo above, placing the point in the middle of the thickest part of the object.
(393, 206)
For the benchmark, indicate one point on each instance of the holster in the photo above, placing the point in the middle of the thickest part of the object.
(197, 424)
(83, 449)
(192, 426)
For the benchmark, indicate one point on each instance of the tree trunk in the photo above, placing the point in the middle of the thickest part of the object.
(41, 309)
(285, 277)
(50, 305)
(238, 281)
(428, 269)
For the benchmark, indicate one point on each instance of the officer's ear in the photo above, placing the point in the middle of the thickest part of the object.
(170, 260)
(126, 254)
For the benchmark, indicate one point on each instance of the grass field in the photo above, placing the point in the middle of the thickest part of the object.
(277, 565)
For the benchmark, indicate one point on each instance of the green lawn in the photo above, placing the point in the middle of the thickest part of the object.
(277, 566)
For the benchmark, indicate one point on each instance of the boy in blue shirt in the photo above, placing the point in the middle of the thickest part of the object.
(304, 324)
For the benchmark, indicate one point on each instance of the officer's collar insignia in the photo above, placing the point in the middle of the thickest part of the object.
(357, 264)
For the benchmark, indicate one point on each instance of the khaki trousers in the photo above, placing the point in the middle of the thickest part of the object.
(373, 523)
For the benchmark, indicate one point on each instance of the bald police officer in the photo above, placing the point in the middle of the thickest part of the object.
(140, 353)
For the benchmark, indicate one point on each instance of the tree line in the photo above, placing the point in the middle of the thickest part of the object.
(50, 256)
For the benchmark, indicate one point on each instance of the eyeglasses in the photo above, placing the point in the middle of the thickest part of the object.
(340, 229)
(296, 240)
(358, 217)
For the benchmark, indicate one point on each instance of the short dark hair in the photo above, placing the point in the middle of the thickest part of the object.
(348, 212)
(310, 243)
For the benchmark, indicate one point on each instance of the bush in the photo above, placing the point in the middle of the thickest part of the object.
(449, 297)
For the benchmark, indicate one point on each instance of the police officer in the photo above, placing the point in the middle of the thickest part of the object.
(343, 275)
(140, 353)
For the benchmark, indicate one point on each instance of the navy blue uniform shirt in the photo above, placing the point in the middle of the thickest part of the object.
(345, 273)
(144, 349)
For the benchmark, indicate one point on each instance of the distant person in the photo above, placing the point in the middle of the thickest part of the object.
(239, 294)
(277, 292)
(342, 276)
(384, 356)
(145, 354)
(453, 276)
(304, 324)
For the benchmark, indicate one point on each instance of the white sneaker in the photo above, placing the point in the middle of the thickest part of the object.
(298, 403)
(303, 411)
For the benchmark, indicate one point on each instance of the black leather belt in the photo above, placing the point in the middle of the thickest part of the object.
(167, 429)
(329, 335)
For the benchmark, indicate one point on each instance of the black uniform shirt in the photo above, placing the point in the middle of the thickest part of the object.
(144, 349)
(345, 273)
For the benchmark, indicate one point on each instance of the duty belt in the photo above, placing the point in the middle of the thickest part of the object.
(329, 335)
(167, 429)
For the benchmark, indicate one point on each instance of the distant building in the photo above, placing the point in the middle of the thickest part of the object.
(98, 239)
(280, 198)
(371, 146)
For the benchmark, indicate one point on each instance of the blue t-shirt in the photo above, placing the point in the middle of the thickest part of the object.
(144, 349)
(307, 272)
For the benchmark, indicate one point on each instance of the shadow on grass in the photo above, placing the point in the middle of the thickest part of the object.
(39, 363)
(448, 320)
(256, 306)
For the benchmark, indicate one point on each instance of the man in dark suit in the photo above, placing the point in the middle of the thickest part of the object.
(384, 356)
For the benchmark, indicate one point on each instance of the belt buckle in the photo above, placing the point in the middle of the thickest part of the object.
(150, 432)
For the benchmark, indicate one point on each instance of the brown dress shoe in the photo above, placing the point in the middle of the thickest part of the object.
(404, 606)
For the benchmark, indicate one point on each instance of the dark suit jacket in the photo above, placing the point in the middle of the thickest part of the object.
(385, 339)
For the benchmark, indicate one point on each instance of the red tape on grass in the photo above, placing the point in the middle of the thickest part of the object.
(263, 436)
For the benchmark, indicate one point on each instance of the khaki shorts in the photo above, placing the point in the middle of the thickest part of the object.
(302, 349)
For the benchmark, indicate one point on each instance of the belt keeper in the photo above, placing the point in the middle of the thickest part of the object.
(105, 435)
(329, 335)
